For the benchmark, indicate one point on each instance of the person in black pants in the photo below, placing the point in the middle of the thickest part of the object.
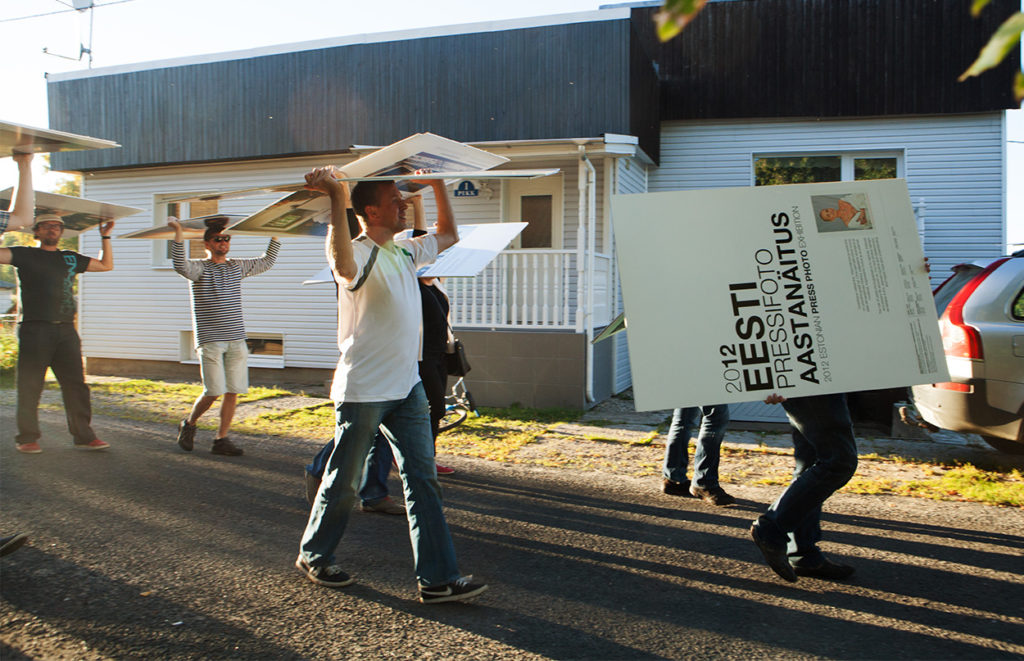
(46, 331)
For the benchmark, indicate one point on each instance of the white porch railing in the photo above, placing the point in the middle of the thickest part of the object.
(530, 289)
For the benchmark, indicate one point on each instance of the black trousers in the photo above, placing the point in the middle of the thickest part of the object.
(42, 344)
(434, 375)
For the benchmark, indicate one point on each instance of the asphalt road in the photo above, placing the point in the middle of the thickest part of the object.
(148, 552)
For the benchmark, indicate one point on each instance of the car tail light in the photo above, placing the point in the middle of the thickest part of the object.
(955, 387)
(958, 338)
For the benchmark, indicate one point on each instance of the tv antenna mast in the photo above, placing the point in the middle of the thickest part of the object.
(79, 6)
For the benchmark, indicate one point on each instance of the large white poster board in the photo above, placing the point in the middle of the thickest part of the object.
(78, 213)
(17, 138)
(737, 293)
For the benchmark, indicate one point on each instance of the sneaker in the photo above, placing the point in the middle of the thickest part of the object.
(383, 506)
(714, 496)
(29, 448)
(774, 555)
(225, 447)
(94, 444)
(444, 470)
(186, 435)
(826, 569)
(461, 590)
(13, 543)
(312, 485)
(676, 488)
(332, 576)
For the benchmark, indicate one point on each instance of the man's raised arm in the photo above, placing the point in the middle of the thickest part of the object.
(447, 232)
(105, 262)
(24, 207)
(339, 241)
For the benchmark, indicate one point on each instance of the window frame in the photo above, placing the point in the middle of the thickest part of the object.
(846, 159)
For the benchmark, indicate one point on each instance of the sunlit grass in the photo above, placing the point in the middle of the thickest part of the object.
(964, 482)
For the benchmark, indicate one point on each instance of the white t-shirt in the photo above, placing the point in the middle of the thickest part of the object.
(380, 320)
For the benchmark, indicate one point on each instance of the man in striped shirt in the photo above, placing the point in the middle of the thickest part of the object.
(219, 327)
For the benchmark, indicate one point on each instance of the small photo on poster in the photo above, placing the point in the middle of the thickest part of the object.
(839, 213)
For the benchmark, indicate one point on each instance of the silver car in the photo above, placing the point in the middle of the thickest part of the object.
(981, 316)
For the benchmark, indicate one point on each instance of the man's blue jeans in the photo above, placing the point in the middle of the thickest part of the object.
(374, 484)
(709, 444)
(409, 421)
(825, 452)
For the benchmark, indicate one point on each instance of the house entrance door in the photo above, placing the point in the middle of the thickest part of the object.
(536, 273)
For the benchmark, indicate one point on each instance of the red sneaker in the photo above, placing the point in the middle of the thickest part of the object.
(95, 444)
(29, 448)
(444, 470)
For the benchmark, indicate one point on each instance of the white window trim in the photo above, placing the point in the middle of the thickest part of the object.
(160, 202)
(846, 158)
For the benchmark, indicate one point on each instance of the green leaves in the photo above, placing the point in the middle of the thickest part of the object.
(676, 15)
(999, 45)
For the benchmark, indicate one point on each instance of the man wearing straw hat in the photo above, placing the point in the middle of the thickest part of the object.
(46, 330)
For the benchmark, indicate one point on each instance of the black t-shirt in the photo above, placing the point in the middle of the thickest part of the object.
(46, 280)
(435, 320)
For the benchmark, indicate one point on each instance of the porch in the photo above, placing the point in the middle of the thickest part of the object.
(538, 289)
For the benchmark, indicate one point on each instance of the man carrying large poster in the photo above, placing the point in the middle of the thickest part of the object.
(807, 292)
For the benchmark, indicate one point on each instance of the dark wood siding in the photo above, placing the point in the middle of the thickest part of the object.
(829, 58)
(561, 81)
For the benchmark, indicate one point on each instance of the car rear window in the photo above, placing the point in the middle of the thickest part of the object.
(961, 276)
(1018, 306)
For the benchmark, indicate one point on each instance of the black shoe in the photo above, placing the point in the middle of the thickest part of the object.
(225, 447)
(12, 543)
(828, 570)
(332, 577)
(460, 590)
(312, 486)
(186, 435)
(676, 488)
(774, 555)
(714, 496)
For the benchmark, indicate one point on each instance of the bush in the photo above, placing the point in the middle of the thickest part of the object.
(8, 355)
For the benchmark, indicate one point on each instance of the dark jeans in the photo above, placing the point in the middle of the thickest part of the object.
(42, 344)
(709, 444)
(825, 452)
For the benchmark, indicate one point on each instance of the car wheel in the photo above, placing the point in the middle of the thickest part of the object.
(1004, 445)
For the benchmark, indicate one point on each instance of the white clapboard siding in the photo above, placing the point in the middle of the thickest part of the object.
(631, 177)
(138, 310)
(954, 162)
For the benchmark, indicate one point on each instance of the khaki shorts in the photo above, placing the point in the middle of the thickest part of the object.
(224, 367)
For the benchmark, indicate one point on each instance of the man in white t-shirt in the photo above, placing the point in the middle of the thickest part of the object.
(377, 381)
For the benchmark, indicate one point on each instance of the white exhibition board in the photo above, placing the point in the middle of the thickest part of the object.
(78, 213)
(734, 294)
(17, 138)
(191, 228)
(477, 247)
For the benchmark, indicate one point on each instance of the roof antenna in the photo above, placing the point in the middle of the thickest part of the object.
(80, 6)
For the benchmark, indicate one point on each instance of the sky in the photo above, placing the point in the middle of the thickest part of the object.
(127, 31)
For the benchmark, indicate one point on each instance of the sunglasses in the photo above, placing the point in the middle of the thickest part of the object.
(221, 239)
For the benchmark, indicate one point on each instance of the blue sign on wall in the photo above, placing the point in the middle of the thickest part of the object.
(466, 189)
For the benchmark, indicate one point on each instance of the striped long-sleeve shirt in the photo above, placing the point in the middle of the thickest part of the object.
(217, 291)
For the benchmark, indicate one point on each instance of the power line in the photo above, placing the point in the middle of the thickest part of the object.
(61, 11)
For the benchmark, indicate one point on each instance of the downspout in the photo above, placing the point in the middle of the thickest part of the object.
(591, 185)
(581, 237)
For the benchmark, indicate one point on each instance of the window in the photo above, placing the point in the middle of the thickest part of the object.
(265, 349)
(162, 210)
(770, 170)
